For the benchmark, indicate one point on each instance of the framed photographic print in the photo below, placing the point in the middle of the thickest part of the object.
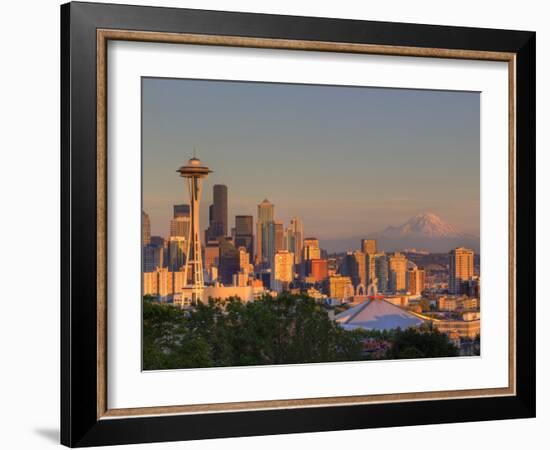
(277, 224)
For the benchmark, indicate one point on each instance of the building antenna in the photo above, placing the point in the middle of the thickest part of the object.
(194, 152)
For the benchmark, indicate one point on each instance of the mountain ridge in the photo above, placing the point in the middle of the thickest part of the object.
(425, 230)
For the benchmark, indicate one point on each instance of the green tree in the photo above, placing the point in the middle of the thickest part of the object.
(413, 343)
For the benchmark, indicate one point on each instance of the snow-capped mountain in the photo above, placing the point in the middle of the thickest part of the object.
(423, 224)
(425, 231)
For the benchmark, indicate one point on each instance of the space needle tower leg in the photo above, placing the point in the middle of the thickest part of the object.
(194, 172)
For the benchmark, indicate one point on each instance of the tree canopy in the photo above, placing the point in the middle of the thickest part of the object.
(288, 329)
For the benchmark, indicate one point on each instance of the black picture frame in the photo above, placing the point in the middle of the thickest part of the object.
(79, 350)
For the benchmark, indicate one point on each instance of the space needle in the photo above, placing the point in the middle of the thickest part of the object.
(194, 172)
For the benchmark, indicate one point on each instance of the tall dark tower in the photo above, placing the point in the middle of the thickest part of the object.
(219, 212)
(244, 234)
(194, 172)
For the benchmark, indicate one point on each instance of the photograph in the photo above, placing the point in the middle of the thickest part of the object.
(276, 222)
(299, 223)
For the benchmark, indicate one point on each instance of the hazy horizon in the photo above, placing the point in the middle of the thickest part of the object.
(349, 161)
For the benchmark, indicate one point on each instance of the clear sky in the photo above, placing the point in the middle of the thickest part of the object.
(347, 160)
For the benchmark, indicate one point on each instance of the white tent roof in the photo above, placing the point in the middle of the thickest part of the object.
(377, 315)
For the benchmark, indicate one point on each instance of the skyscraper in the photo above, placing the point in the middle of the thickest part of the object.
(182, 210)
(340, 287)
(244, 233)
(461, 269)
(368, 246)
(282, 272)
(219, 213)
(230, 262)
(381, 271)
(318, 270)
(194, 172)
(211, 255)
(145, 229)
(353, 265)
(244, 260)
(311, 249)
(180, 226)
(278, 234)
(152, 258)
(397, 265)
(177, 246)
(415, 280)
(264, 240)
(295, 238)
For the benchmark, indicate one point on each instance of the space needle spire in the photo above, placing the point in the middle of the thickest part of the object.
(194, 172)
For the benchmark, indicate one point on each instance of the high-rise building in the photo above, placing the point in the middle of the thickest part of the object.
(145, 229)
(217, 213)
(211, 255)
(182, 210)
(311, 249)
(210, 215)
(230, 262)
(153, 258)
(397, 265)
(194, 173)
(295, 239)
(278, 234)
(332, 266)
(158, 241)
(473, 287)
(180, 226)
(368, 246)
(353, 265)
(282, 272)
(461, 269)
(415, 280)
(177, 248)
(244, 233)
(244, 260)
(220, 219)
(264, 239)
(370, 267)
(318, 270)
(381, 271)
(340, 287)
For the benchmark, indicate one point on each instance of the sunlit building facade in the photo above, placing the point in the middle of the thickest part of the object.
(353, 265)
(415, 280)
(295, 239)
(318, 270)
(368, 246)
(145, 229)
(340, 287)
(282, 272)
(264, 240)
(461, 269)
(397, 268)
(180, 227)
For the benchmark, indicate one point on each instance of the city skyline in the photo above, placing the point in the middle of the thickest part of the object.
(369, 199)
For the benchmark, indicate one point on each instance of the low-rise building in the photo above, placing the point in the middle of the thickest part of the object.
(465, 329)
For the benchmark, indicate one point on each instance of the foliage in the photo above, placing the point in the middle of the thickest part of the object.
(288, 329)
(413, 343)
